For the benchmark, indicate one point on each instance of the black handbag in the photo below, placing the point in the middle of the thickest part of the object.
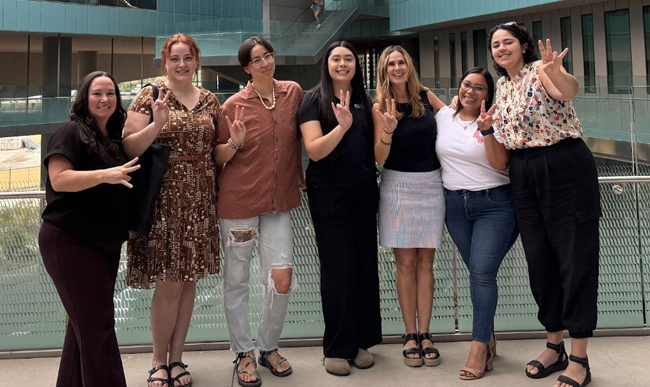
(147, 181)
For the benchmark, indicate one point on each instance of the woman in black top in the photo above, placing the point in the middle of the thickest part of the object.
(84, 226)
(343, 199)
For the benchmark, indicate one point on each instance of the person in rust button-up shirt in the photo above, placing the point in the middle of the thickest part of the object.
(260, 157)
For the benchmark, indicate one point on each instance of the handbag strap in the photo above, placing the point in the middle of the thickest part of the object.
(154, 88)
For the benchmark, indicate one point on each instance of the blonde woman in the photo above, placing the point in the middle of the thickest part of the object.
(412, 205)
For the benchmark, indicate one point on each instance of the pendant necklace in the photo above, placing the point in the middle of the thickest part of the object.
(262, 100)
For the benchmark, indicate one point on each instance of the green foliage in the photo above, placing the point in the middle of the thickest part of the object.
(19, 225)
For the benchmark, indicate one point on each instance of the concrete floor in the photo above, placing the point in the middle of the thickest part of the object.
(615, 361)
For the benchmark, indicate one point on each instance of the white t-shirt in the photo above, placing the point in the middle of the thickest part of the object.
(462, 155)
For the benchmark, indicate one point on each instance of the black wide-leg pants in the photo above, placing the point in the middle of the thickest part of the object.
(84, 273)
(557, 206)
(345, 223)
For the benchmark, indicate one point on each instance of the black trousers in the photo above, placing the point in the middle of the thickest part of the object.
(84, 274)
(345, 222)
(557, 206)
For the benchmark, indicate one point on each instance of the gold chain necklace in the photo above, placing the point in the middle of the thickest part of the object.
(262, 100)
(463, 122)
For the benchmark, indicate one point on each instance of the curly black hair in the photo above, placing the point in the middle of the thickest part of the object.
(525, 39)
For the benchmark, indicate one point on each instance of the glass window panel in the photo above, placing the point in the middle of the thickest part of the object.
(480, 48)
(588, 53)
(436, 60)
(537, 35)
(463, 51)
(646, 30)
(619, 51)
(565, 33)
(452, 59)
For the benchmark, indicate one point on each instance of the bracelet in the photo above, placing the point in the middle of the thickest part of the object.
(384, 142)
(234, 146)
(389, 133)
(487, 132)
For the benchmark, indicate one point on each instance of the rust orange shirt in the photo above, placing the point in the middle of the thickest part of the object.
(263, 175)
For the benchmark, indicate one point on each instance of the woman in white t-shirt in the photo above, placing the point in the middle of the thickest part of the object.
(480, 216)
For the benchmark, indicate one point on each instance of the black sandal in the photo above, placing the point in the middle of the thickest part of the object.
(560, 365)
(583, 361)
(244, 370)
(264, 362)
(177, 377)
(412, 361)
(156, 379)
(429, 361)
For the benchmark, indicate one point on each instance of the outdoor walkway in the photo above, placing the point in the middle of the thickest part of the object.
(616, 361)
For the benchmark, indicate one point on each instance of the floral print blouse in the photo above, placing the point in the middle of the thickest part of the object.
(529, 116)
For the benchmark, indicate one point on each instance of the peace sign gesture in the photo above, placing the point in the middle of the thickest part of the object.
(159, 108)
(342, 111)
(485, 119)
(388, 118)
(551, 60)
(237, 128)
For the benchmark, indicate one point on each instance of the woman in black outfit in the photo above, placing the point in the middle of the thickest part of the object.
(84, 226)
(343, 199)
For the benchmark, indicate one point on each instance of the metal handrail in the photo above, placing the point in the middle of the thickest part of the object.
(294, 19)
(602, 180)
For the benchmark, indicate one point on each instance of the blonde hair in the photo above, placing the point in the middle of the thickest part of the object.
(414, 87)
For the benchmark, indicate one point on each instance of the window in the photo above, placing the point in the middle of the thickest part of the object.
(619, 51)
(565, 33)
(480, 48)
(436, 60)
(646, 30)
(463, 51)
(452, 59)
(537, 35)
(588, 53)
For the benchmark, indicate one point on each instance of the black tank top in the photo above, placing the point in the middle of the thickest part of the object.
(414, 141)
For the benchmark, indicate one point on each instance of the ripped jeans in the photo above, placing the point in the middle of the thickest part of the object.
(272, 231)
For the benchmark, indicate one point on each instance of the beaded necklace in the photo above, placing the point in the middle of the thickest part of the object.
(262, 100)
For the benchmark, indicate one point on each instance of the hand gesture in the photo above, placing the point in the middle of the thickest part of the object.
(388, 118)
(551, 60)
(159, 108)
(342, 111)
(237, 128)
(485, 119)
(120, 174)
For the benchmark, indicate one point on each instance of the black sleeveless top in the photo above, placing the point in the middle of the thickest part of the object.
(414, 141)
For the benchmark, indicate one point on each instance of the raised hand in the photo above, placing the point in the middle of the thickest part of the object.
(237, 127)
(159, 108)
(388, 118)
(551, 60)
(120, 174)
(485, 119)
(342, 111)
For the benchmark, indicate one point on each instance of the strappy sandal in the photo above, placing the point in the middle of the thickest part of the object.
(245, 370)
(560, 365)
(408, 360)
(177, 378)
(164, 381)
(475, 373)
(264, 362)
(429, 361)
(583, 361)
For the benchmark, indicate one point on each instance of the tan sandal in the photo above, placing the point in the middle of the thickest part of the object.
(475, 373)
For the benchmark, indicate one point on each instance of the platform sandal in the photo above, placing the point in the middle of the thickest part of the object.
(408, 360)
(237, 372)
(177, 378)
(583, 361)
(264, 362)
(164, 381)
(429, 361)
(473, 373)
(560, 365)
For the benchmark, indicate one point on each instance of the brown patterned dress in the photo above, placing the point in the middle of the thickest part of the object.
(183, 244)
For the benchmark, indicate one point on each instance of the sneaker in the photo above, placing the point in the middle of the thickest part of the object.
(317, 26)
(337, 366)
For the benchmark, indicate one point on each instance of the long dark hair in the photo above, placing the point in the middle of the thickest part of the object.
(90, 132)
(325, 89)
(525, 40)
(490, 83)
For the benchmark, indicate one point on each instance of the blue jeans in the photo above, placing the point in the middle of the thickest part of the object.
(482, 225)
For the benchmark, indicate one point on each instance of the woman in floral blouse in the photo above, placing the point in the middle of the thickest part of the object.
(556, 195)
